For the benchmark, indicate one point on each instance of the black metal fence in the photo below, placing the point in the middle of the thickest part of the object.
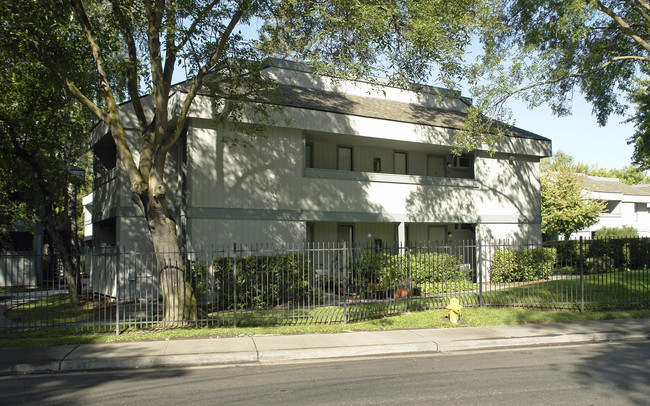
(327, 283)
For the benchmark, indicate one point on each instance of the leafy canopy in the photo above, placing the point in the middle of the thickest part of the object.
(565, 205)
(547, 51)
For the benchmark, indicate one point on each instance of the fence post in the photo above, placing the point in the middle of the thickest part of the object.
(234, 284)
(582, 280)
(117, 292)
(480, 273)
(408, 279)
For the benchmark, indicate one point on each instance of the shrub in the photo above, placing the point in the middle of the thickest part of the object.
(260, 282)
(429, 268)
(567, 253)
(639, 252)
(617, 249)
(600, 264)
(617, 232)
(522, 265)
(373, 267)
(392, 270)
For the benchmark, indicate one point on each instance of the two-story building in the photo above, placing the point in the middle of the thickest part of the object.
(625, 205)
(344, 161)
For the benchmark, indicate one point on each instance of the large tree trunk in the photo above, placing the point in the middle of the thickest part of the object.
(70, 257)
(178, 296)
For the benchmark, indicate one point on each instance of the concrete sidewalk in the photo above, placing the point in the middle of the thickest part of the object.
(261, 349)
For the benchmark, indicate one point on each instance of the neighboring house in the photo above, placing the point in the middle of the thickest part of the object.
(355, 163)
(625, 205)
(21, 253)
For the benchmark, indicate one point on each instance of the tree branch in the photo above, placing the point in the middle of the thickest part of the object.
(624, 26)
(199, 16)
(571, 76)
(132, 69)
(198, 80)
(112, 119)
(644, 4)
(160, 89)
(640, 9)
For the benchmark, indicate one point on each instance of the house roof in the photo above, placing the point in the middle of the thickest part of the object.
(313, 99)
(371, 107)
(612, 185)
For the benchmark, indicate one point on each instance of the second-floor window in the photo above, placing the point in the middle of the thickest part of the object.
(309, 155)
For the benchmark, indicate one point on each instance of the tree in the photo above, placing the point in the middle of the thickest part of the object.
(41, 137)
(546, 51)
(565, 206)
(135, 46)
(561, 160)
(629, 175)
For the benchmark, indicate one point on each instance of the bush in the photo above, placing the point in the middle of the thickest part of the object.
(597, 265)
(617, 232)
(567, 253)
(429, 268)
(393, 270)
(260, 282)
(639, 253)
(617, 249)
(522, 265)
(376, 267)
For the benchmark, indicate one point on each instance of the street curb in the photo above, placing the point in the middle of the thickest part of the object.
(541, 341)
(315, 353)
(341, 352)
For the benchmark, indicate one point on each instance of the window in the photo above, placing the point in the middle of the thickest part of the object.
(400, 163)
(309, 154)
(311, 233)
(641, 207)
(612, 207)
(344, 158)
(463, 161)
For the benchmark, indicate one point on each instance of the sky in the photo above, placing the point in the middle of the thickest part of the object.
(579, 134)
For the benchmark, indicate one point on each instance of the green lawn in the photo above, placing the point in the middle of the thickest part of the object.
(485, 316)
(612, 291)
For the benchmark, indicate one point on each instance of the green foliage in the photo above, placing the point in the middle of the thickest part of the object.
(617, 250)
(640, 98)
(562, 161)
(601, 264)
(376, 267)
(520, 265)
(425, 270)
(257, 283)
(617, 232)
(629, 175)
(437, 267)
(402, 40)
(549, 51)
(567, 253)
(565, 207)
(615, 244)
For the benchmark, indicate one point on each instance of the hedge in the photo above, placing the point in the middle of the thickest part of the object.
(261, 282)
(520, 265)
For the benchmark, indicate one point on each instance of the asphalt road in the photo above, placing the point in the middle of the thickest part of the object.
(592, 374)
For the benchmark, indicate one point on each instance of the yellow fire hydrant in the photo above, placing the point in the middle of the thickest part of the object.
(454, 307)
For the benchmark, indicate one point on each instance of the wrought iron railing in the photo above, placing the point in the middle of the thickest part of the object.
(322, 283)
